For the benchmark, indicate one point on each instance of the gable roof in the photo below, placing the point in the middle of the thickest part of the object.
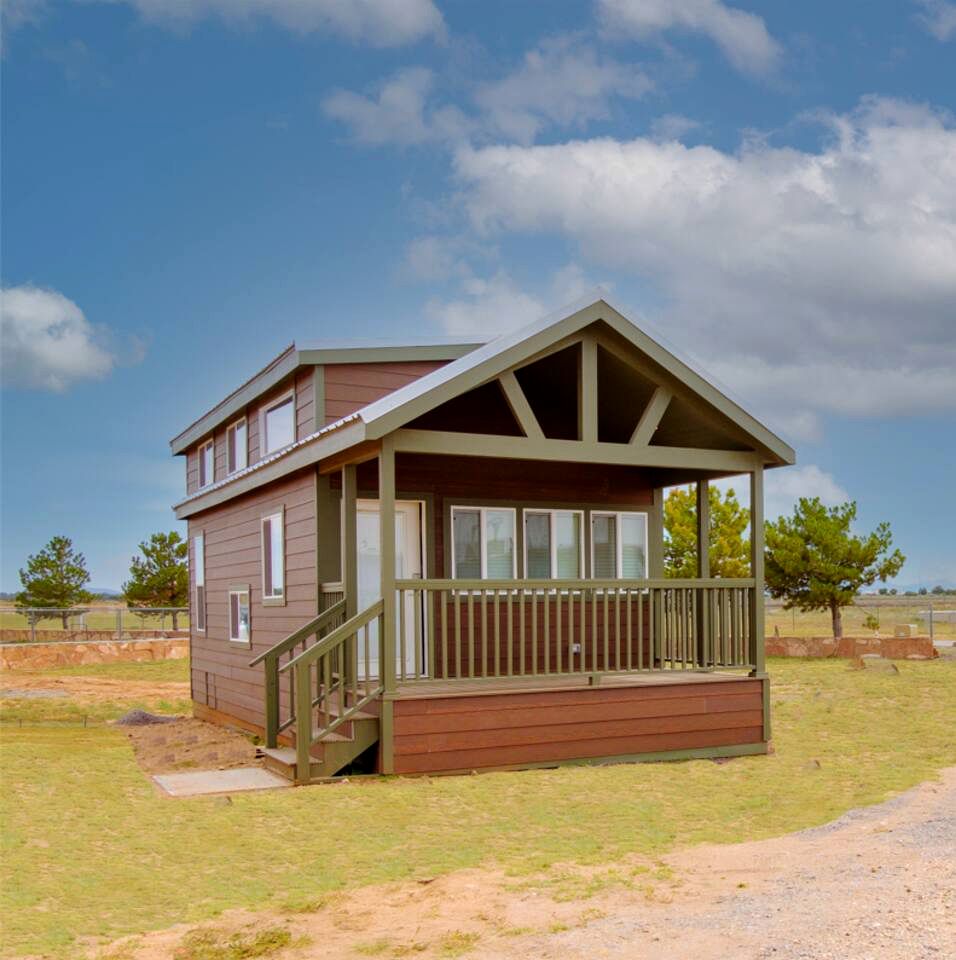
(479, 365)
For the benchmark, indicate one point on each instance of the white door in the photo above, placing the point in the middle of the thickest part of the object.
(408, 566)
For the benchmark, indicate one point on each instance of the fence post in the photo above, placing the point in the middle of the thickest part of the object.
(931, 619)
(119, 624)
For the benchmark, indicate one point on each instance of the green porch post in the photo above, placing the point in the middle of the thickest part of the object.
(655, 570)
(756, 571)
(703, 568)
(349, 539)
(386, 659)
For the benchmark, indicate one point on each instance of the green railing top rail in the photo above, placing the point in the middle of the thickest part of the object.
(593, 584)
(337, 636)
(303, 633)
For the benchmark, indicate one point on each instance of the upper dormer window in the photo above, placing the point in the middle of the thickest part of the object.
(236, 447)
(278, 424)
(206, 469)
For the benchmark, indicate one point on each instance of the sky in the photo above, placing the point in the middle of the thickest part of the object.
(190, 185)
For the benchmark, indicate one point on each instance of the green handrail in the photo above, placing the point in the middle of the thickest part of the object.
(303, 633)
(337, 636)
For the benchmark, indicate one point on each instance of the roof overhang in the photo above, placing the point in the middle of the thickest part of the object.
(294, 358)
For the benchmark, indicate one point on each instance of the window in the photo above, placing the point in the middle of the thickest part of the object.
(273, 558)
(206, 469)
(236, 447)
(278, 425)
(553, 544)
(199, 559)
(483, 543)
(239, 614)
(618, 545)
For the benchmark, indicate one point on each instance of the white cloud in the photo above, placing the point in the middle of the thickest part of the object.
(785, 486)
(47, 341)
(382, 23)
(742, 37)
(939, 17)
(672, 126)
(398, 113)
(492, 305)
(562, 82)
(811, 280)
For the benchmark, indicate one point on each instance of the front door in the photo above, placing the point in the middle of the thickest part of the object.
(408, 566)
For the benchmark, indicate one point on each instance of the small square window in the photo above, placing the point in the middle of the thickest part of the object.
(278, 425)
(239, 615)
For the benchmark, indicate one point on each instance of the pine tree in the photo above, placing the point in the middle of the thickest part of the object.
(55, 577)
(814, 562)
(729, 548)
(160, 578)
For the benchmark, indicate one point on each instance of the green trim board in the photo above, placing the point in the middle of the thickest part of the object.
(292, 359)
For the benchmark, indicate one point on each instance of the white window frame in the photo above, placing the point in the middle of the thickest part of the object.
(211, 479)
(239, 589)
(482, 539)
(199, 579)
(619, 558)
(278, 517)
(264, 450)
(550, 513)
(230, 469)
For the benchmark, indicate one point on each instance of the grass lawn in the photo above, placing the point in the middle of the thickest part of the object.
(91, 850)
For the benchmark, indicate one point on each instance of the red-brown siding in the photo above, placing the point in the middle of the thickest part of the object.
(350, 386)
(221, 677)
(449, 734)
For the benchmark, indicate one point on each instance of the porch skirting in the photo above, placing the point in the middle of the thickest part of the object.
(458, 727)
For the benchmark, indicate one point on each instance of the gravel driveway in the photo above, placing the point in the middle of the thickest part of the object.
(877, 884)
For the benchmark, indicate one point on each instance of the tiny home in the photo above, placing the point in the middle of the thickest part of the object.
(445, 557)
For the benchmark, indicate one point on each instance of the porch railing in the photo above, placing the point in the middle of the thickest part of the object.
(280, 705)
(471, 629)
(333, 680)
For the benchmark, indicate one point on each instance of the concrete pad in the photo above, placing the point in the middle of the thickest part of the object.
(198, 783)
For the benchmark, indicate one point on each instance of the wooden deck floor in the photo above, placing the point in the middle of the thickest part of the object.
(482, 686)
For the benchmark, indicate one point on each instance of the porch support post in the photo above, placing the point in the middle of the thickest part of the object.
(387, 640)
(350, 539)
(703, 567)
(655, 569)
(756, 571)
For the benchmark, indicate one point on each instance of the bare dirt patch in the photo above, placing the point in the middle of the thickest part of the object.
(190, 744)
(97, 689)
(877, 884)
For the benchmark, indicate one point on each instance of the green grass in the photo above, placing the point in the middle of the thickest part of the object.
(160, 671)
(91, 850)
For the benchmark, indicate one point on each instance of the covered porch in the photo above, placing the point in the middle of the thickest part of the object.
(583, 660)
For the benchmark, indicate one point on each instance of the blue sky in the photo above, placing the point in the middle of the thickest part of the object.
(188, 186)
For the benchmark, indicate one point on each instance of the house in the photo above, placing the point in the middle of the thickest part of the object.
(448, 557)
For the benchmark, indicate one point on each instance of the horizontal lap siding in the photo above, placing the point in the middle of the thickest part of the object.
(350, 386)
(439, 734)
(221, 675)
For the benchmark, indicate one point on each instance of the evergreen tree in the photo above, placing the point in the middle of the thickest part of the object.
(729, 547)
(55, 577)
(160, 578)
(814, 562)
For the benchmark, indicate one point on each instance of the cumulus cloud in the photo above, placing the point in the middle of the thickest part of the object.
(382, 23)
(398, 112)
(48, 343)
(672, 126)
(563, 82)
(742, 37)
(939, 17)
(784, 487)
(497, 304)
(812, 280)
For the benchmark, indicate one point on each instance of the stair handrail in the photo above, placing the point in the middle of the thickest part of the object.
(331, 640)
(338, 693)
(273, 724)
(303, 633)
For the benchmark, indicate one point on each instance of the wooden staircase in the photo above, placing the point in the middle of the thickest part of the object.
(327, 665)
